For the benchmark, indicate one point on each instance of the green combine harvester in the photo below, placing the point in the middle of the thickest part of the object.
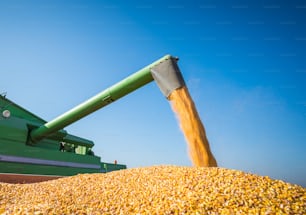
(33, 150)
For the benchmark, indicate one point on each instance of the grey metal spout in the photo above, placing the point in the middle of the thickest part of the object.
(168, 76)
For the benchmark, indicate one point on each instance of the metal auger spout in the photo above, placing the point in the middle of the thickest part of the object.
(164, 71)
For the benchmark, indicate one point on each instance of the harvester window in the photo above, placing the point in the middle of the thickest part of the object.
(80, 150)
(67, 147)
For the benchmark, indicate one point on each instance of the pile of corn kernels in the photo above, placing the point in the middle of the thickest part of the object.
(156, 190)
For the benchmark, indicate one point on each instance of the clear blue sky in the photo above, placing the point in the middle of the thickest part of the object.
(243, 61)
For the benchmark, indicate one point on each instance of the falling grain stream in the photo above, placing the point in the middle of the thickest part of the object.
(192, 127)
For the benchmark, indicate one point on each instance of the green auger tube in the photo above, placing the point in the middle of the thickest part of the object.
(164, 71)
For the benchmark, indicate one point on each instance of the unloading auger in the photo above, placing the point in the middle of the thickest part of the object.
(164, 71)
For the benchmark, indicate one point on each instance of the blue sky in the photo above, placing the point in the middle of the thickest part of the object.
(243, 61)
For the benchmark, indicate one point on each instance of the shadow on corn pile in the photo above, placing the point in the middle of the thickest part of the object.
(156, 190)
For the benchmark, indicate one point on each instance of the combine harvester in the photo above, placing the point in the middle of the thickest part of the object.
(33, 150)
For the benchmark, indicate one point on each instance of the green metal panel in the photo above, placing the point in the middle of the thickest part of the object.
(14, 129)
(20, 168)
(18, 111)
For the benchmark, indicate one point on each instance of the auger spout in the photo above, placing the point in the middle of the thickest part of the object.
(164, 71)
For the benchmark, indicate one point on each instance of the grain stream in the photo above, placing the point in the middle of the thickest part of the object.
(192, 128)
